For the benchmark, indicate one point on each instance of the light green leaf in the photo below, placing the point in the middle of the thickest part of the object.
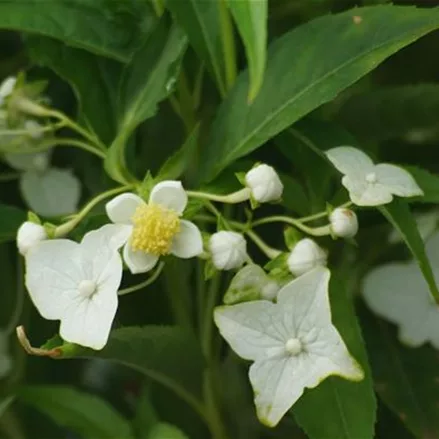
(346, 410)
(104, 27)
(399, 215)
(169, 355)
(251, 19)
(200, 20)
(94, 80)
(147, 80)
(406, 379)
(298, 81)
(166, 431)
(84, 413)
(11, 220)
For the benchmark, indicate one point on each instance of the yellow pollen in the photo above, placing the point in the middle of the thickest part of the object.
(154, 228)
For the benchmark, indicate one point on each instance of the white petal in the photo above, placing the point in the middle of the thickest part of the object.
(362, 193)
(38, 161)
(254, 330)
(169, 194)
(55, 192)
(121, 208)
(7, 87)
(138, 261)
(53, 272)
(397, 180)
(350, 161)
(29, 235)
(188, 242)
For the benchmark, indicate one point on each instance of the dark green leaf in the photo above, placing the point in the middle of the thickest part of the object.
(428, 182)
(11, 220)
(297, 81)
(94, 79)
(346, 410)
(399, 215)
(166, 431)
(251, 19)
(84, 413)
(104, 27)
(406, 379)
(200, 20)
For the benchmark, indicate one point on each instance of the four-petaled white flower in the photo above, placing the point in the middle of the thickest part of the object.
(29, 235)
(293, 343)
(5, 357)
(155, 228)
(343, 222)
(264, 183)
(369, 184)
(228, 250)
(305, 256)
(78, 283)
(399, 293)
(6, 88)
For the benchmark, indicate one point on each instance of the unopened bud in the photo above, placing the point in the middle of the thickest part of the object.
(29, 234)
(305, 256)
(7, 87)
(264, 183)
(344, 222)
(228, 249)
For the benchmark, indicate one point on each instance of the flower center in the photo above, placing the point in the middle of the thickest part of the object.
(154, 228)
(87, 288)
(371, 177)
(293, 346)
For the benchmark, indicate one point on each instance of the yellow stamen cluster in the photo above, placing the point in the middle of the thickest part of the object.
(154, 228)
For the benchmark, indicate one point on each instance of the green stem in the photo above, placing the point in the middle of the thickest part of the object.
(319, 215)
(67, 227)
(233, 198)
(144, 284)
(27, 132)
(314, 231)
(228, 41)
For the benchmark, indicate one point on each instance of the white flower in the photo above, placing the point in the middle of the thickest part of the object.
(293, 343)
(155, 228)
(398, 293)
(251, 283)
(344, 222)
(305, 256)
(264, 183)
(28, 235)
(78, 283)
(6, 88)
(228, 249)
(5, 358)
(369, 184)
(37, 161)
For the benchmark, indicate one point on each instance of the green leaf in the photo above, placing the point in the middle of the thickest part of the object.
(406, 379)
(337, 408)
(94, 80)
(84, 413)
(200, 20)
(399, 215)
(251, 19)
(298, 81)
(11, 220)
(428, 182)
(169, 355)
(177, 164)
(166, 431)
(146, 81)
(5, 403)
(104, 27)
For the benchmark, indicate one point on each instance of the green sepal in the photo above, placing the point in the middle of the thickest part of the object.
(33, 218)
(241, 177)
(50, 230)
(209, 270)
(145, 188)
(292, 236)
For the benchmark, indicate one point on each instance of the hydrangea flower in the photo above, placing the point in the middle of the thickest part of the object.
(369, 184)
(305, 256)
(77, 283)
(264, 183)
(292, 343)
(155, 228)
(228, 250)
(398, 293)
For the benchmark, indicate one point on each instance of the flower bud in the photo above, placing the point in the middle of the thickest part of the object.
(269, 290)
(344, 223)
(7, 87)
(28, 235)
(264, 183)
(228, 249)
(305, 256)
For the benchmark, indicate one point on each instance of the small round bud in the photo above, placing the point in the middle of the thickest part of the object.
(305, 256)
(228, 249)
(264, 183)
(344, 223)
(28, 235)
(269, 290)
